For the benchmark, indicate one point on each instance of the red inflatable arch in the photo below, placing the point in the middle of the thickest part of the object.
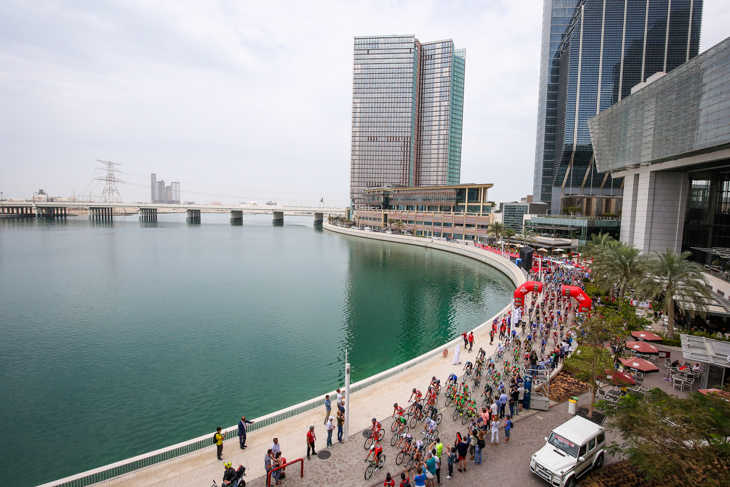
(584, 302)
(527, 287)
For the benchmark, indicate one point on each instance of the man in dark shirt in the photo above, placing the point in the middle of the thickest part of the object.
(462, 447)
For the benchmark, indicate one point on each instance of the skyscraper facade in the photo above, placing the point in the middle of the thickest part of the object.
(407, 109)
(608, 47)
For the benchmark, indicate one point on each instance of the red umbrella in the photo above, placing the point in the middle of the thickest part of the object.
(642, 347)
(639, 364)
(724, 394)
(619, 378)
(646, 335)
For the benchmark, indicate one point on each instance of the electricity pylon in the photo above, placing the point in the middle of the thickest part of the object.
(110, 193)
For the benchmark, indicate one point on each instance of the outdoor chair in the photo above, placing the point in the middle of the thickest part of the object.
(679, 380)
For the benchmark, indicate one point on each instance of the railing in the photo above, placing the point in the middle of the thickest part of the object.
(301, 471)
(124, 469)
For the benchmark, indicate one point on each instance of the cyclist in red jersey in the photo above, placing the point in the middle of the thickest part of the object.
(376, 428)
(376, 450)
(398, 411)
(415, 395)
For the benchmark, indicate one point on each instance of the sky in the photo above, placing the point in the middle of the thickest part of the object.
(245, 101)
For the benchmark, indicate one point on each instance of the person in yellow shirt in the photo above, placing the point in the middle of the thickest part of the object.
(218, 439)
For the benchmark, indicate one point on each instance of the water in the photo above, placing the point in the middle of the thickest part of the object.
(118, 339)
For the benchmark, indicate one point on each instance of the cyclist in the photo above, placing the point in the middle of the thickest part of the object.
(398, 411)
(418, 410)
(375, 431)
(436, 384)
(468, 366)
(415, 395)
(376, 450)
(481, 354)
(408, 447)
(452, 379)
(429, 426)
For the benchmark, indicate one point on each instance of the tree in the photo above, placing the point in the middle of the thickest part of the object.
(598, 244)
(672, 277)
(391, 221)
(589, 363)
(682, 440)
(496, 229)
(509, 234)
(619, 264)
(528, 236)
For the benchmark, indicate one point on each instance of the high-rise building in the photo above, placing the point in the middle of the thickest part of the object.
(153, 185)
(407, 108)
(608, 48)
(164, 194)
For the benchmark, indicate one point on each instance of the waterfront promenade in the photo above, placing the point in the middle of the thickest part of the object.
(376, 400)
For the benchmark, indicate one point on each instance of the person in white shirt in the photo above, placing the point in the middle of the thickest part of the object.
(276, 447)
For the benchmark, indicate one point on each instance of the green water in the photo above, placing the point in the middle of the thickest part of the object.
(118, 339)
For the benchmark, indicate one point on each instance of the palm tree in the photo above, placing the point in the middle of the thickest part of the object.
(509, 234)
(619, 264)
(496, 229)
(528, 236)
(598, 244)
(673, 277)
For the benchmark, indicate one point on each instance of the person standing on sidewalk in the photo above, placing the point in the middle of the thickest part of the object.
(340, 425)
(330, 429)
(507, 428)
(471, 340)
(451, 458)
(219, 437)
(242, 431)
(495, 432)
(328, 408)
(310, 442)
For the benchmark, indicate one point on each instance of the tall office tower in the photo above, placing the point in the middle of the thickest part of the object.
(407, 110)
(608, 48)
(556, 17)
(175, 193)
(154, 188)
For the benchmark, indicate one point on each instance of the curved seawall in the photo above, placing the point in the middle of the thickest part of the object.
(194, 459)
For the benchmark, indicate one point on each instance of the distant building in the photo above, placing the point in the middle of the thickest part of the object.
(513, 213)
(407, 107)
(461, 211)
(164, 194)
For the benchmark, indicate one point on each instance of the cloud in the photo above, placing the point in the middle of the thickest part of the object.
(242, 100)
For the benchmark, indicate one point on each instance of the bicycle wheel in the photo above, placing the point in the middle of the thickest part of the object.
(381, 433)
(413, 422)
(369, 471)
(405, 429)
(456, 414)
(381, 462)
(436, 401)
(438, 418)
(449, 398)
(394, 439)
(484, 404)
(409, 464)
(394, 425)
(465, 418)
(368, 442)
(399, 458)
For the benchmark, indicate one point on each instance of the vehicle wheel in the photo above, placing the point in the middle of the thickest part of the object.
(399, 458)
(438, 418)
(456, 414)
(394, 426)
(369, 471)
(381, 433)
(405, 429)
(368, 442)
(434, 435)
(413, 422)
(394, 439)
(381, 461)
(465, 418)
(570, 482)
(448, 400)
(599, 462)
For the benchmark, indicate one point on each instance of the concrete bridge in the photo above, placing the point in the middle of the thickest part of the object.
(148, 211)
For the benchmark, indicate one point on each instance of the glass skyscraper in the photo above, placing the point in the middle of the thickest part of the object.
(407, 108)
(608, 47)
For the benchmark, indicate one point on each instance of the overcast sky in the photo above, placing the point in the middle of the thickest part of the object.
(247, 101)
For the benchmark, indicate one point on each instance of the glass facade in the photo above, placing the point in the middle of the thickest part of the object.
(609, 47)
(512, 214)
(555, 20)
(406, 113)
(684, 112)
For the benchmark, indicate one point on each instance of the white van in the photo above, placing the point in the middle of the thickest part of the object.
(572, 450)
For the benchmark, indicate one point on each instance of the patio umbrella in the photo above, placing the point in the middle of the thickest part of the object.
(542, 250)
(646, 335)
(724, 394)
(619, 378)
(639, 364)
(642, 347)
(559, 250)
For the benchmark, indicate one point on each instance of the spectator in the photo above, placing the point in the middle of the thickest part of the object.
(277, 463)
(310, 442)
(472, 442)
(480, 446)
(330, 429)
(430, 467)
(276, 447)
(389, 482)
(405, 479)
(268, 461)
(218, 438)
(495, 432)
(514, 399)
(451, 458)
(420, 479)
(462, 447)
(340, 425)
(242, 431)
(437, 459)
(328, 407)
(503, 399)
(507, 428)
(521, 397)
(341, 401)
(471, 340)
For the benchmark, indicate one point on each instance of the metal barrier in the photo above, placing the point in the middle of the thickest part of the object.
(301, 472)
(130, 467)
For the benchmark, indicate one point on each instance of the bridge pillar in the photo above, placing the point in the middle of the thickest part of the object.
(318, 217)
(100, 214)
(148, 215)
(193, 216)
(278, 218)
(236, 216)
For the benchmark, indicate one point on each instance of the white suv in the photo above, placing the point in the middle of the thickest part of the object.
(572, 449)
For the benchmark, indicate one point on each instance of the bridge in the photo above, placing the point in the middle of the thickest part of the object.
(148, 211)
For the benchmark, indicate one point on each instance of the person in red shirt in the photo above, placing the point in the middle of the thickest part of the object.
(310, 441)
(471, 340)
(376, 450)
(389, 482)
